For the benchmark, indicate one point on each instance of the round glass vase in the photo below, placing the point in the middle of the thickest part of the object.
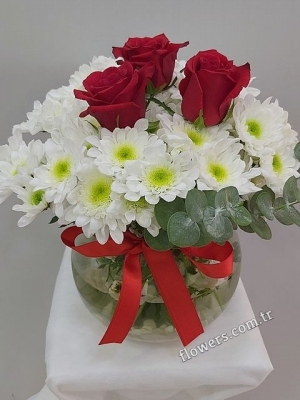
(99, 281)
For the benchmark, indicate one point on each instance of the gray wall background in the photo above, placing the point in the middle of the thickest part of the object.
(41, 43)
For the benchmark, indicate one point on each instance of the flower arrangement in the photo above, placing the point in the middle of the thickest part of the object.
(182, 153)
(178, 154)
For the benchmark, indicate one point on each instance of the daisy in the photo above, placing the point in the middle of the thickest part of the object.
(34, 202)
(258, 125)
(58, 175)
(162, 176)
(90, 201)
(221, 166)
(140, 211)
(277, 167)
(182, 135)
(114, 149)
(18, 160)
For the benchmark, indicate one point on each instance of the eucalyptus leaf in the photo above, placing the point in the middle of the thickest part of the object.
(281, 212)
(218, 226)
(195, 204)
(247, 228)
(241, 216)
(163, 210)
(291, 192)
(205, 238)
(160, 242)
(210, 196)
(297, 151)
(227, 197)
(182, 231)
(294, 214)
(261, 228)
(265, 204)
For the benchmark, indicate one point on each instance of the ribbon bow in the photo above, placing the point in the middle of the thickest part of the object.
(167, 277)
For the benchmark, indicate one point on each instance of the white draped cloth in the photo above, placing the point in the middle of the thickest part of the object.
(79, 369)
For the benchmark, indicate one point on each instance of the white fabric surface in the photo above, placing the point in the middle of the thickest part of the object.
(79, 369)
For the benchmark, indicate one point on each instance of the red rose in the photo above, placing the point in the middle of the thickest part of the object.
(116, 96)
(211, 82)
(157, 50)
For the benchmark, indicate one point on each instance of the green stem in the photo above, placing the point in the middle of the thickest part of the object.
(284, 205)
(160, 103)
(218, 298)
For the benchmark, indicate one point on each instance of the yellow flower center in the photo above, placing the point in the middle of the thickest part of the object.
(218, 171)
(277, 164)
(124, 152)
(161, 176)
(254, 128)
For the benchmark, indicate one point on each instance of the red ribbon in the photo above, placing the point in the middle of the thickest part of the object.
(166, 274)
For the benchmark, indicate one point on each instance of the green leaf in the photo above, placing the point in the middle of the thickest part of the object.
(53, 220)
(210, 196)
(261, 228)
(295, 215)
(163, 210)
(241, 216)
(265, 204)
(151, 89)
(205, 238)
(227, 197)
(153, 126)
(281, 212)
(182, 231)
(291, 192)
(160, 242)
(199, 122)
(195, 203)
(218, 226)
(247, 228)
(297, 151)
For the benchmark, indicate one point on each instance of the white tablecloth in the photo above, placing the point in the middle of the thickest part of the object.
(79, 369)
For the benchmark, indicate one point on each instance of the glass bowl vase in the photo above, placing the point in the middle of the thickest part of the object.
(99, 282)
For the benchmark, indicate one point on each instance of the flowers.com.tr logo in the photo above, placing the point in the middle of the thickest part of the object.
(186, 354)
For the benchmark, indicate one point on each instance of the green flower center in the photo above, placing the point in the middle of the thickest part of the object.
(61, 169)
(136, 205)
(97, 193)
(254, 128)
(218, 171)
(124, 152)
(195, 135)
(161, 176)
(37, 197)
(277, 164)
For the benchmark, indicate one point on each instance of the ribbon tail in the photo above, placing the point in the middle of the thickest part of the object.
(223, 254)
(175, 294)
(129, 301)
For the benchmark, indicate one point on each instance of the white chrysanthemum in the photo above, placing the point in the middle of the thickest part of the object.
(34, 203)
(249, 90)
(162, 176)
(90, 201)
(259, 125)
(114, 149)
(73, 127)
(58, 176)
(221, 166)
(277, 167)
(18, 161)
(97, 64)
(182, 135)
(140, 211)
